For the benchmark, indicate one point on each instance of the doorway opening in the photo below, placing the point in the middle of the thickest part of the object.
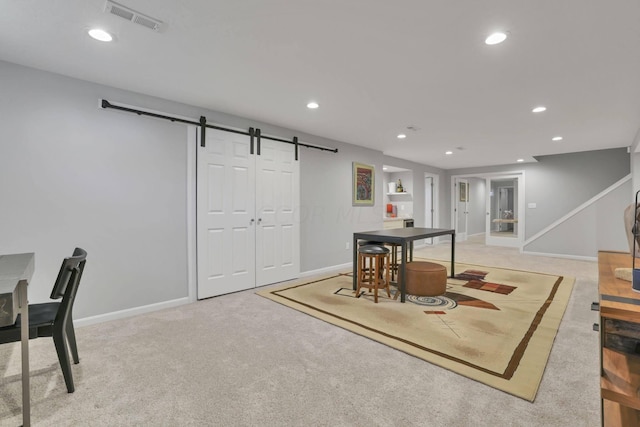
(489, 206)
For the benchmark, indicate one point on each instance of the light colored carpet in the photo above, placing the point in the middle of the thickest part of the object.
(499, 334)
(241, 360)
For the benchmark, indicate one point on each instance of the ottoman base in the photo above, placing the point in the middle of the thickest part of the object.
(426, 279)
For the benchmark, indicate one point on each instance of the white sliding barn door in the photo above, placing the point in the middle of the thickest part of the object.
(225, 214)
(247, 227)
(277, 201)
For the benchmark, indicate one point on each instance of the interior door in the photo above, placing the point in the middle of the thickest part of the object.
(277, 198)
(225, 214)
(504, 203)
(461, 208)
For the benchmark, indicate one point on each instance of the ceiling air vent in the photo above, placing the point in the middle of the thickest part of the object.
(133, 16)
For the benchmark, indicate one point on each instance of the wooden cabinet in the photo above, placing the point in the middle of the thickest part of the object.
(393, 223)
(620, 343)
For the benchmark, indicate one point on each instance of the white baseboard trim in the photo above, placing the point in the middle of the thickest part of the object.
(320, 271)
(565, 256)
(122, 314)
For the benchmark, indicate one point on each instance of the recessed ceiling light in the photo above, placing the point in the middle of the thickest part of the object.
(384, 168)
(520, 160)
(402, 136)
(101, 35)
(496, 38)
(313, 105)
(448, 153)
(556, 138)
(539, 109)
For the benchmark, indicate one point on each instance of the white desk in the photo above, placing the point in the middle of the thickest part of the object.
(16, 271)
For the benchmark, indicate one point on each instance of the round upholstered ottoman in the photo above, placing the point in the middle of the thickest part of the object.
(426, 279)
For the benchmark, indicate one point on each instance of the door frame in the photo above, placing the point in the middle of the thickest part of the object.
(434, 204)
(520, 174)
(193, 141)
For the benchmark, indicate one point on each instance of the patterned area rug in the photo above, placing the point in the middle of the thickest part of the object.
(493, 325)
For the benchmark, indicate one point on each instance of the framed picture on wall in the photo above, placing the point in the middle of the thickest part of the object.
(464, 192)
(363, 184)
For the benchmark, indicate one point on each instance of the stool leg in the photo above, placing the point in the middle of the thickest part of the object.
(373, 274)
(394, 261)
(377, 260)
(359, 279)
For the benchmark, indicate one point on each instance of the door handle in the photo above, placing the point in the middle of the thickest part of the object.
(259, 220)
(252, 221)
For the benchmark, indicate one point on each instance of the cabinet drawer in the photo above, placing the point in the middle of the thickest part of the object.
(617, 415)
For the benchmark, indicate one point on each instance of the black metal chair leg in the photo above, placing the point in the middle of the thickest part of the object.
(71, 337)
(63, 358)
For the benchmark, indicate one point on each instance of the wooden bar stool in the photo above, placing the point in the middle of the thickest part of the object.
(369, 243)
(373, 269)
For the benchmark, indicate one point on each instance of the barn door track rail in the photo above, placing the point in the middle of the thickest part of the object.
(252, 132)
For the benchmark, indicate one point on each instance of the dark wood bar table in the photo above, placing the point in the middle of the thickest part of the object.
(404, 237)
(16, 271)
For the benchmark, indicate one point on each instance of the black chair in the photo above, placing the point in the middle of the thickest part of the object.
(54, 319)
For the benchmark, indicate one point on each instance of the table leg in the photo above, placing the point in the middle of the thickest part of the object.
(453, 254)
(355, 263)
(24, 340)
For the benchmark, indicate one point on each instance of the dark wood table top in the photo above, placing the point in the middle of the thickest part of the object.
(403, 234)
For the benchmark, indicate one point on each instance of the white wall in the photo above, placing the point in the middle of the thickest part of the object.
(328, 218)
(560, 183)
(600, 226)
(72, 174)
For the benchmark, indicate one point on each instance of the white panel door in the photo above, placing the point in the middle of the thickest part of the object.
(461, 202)
(428, 209)
(225, 214)
(277, 203)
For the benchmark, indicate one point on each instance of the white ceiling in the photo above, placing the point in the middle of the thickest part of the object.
(374, 66)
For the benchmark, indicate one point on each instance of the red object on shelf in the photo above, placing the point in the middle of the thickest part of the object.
(389, 207)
